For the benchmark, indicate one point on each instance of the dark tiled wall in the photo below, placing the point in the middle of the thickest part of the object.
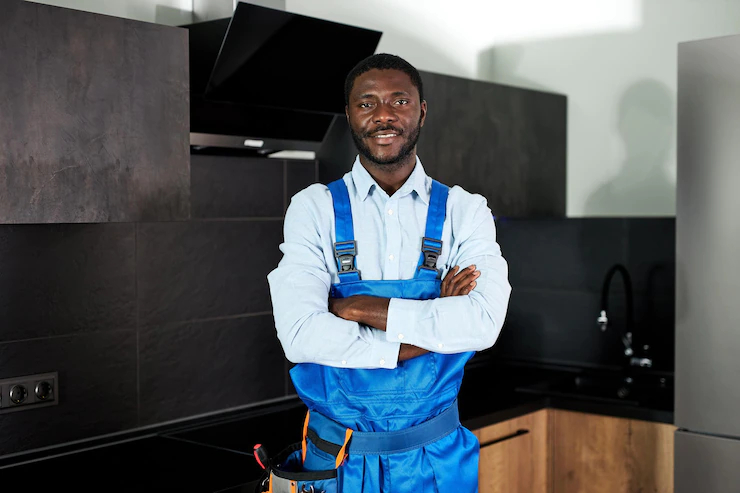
(557, 268)
(152, 322)
(149, 322)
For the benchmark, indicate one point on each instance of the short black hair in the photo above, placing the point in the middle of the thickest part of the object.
(383, 61)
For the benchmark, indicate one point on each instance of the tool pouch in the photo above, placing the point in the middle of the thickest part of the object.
(307, 466)
(289, 475)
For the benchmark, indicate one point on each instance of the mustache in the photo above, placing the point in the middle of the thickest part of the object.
(381, 129)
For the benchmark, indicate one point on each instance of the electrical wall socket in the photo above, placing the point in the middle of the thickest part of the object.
(29, 392)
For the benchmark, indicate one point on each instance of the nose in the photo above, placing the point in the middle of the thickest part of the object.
(384, 114)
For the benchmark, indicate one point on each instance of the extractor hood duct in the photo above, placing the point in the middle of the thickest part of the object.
(269, 80)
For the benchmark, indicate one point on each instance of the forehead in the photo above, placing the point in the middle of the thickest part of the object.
(378, 81)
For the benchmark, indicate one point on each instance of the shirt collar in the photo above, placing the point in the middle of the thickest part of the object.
(417, 182)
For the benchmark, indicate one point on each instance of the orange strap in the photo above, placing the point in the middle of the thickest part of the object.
(342, 451)
(305, 432)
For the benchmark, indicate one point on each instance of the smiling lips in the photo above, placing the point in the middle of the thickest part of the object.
(385, 136)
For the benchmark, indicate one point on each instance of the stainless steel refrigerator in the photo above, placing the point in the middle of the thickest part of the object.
(707, 414)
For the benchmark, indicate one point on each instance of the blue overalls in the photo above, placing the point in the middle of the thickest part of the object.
(380, 430)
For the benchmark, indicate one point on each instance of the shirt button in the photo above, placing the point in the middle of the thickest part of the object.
(400, 337)
(382, 362)
(390, 212)
(391, 257)
(439, 345)
(344, 362)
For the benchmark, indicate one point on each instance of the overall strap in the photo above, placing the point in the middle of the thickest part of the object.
(431, 244)
(345, 248)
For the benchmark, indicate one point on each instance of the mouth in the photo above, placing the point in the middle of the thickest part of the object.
(385, 136)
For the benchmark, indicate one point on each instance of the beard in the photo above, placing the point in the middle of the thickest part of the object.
(388, 162)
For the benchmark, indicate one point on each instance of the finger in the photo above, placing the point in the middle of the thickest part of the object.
(463, 278)
(470, 287)
(445, 288)
(464, 286)
(451, 274)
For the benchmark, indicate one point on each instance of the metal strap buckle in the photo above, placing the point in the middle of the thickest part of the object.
(345, 251)
(431, 249)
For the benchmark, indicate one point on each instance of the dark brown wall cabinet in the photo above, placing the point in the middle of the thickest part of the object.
(505, 143)
(94, 118)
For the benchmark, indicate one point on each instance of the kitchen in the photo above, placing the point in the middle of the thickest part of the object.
(140, 219)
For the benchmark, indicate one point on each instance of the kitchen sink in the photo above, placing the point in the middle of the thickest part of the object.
(644, 390)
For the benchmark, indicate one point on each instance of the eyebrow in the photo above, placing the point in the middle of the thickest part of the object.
(394, 94)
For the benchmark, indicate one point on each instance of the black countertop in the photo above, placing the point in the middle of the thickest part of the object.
(210, 455)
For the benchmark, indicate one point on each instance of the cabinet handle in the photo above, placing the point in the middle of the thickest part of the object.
(517, 433)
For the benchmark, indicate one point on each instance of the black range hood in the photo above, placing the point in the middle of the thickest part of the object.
(268, 80)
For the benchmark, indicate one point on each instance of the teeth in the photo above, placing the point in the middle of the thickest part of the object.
(384, 136)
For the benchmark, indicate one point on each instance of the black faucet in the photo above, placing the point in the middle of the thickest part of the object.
(603, 320)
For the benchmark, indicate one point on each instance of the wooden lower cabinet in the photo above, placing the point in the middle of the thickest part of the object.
(554, 451)
(603, 454)
(514, 455)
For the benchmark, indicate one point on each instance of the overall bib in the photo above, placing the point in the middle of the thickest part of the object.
(381, 430)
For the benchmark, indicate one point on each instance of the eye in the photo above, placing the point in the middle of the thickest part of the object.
(365, 105)
(402, 101)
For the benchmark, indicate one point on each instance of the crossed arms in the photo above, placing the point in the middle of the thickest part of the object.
(371, 332)
(373, 311)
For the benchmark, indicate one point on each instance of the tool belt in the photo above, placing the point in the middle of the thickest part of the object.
(315, 464)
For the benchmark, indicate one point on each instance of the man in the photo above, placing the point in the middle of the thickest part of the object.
(380, 341)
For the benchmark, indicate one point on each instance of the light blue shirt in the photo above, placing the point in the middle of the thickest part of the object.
(388, 231)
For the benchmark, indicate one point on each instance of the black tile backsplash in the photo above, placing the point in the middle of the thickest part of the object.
(557, 327)
(651, 255)
(233, 186)
(158, 321)
(202, 269)
(300, 175)
(97, 388)
(570, 254)
(65, 279)
(191, 369)
(148, 322)
(557, 269)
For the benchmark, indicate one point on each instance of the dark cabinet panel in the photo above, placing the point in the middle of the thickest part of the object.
(505, 143)
(95, 118)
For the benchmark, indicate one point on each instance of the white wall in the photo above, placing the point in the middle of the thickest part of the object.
(614, 59)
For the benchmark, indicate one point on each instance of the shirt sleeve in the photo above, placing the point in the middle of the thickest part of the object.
(299, 287)
(457, 324)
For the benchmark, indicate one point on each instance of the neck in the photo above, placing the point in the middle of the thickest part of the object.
(390, 177)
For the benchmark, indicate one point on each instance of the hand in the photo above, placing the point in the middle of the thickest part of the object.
(459, 283)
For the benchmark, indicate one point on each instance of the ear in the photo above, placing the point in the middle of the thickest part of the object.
(346, 112)
(423, 113)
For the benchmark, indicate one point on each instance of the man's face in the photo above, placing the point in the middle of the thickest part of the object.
(385, 116)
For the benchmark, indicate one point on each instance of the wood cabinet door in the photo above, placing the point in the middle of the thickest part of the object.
(603, 454)
(514, 455)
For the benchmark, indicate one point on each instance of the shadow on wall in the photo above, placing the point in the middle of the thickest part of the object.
(621, 88)
(502, 67)
(645, 124)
